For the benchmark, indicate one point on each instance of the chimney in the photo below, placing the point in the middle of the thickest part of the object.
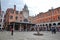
(14, 7)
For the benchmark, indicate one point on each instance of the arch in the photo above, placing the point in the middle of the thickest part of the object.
(40, 25)
(50, 24)
(25, 20)
(36, 25)
(46, 24)
(54, 23)
(43, 24)
(59, 23)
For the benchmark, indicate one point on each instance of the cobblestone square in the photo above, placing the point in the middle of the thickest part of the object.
(29, 36)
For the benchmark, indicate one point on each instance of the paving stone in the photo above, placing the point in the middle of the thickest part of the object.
(6, 35)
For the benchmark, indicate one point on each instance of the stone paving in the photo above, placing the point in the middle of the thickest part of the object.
(6, 35)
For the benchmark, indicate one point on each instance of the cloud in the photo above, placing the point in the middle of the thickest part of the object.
(10, 4)
(34, 6)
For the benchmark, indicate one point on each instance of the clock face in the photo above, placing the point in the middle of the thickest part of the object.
(25, 14)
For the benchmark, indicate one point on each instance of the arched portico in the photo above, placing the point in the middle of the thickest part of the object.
(58, 26)
(54, 24)
(58, 23)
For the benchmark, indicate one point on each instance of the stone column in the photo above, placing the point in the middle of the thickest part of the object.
(43, 28)
(26, 27)
(14, 26)
(48, 28)
(20, 28)
(38, 30)
(30, 27)
(35, 28)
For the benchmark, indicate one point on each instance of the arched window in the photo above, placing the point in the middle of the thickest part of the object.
(46, 24)
(38, 25)
(25, 20)
(50, 25)
(16, 17)
(58, 17)
(11, 17)
(58, 23)
(54, 23)
(16, 12)
(43, 24)
(58, 10)
(11, 11)
(20, 20)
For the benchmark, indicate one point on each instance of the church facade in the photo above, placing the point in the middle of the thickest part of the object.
(19, 20)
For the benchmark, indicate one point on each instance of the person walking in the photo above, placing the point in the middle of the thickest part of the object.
(54, 31)
(12, 31)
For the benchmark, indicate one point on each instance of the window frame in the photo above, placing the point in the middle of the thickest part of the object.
(11, 17)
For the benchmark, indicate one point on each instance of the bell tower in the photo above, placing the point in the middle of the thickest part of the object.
(14, 7)
(25, 8)
(25, 11)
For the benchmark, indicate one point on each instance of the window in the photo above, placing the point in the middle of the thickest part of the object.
(53, 19)
(0, 20)
(58, 10)
(20, 20)
(58, 23)
(12, 11)
(0, 25)
(11, 17)
(16, 17)
(25, 20)
(58, 17)
(54, 23)
(20, 13)
(20, 17)
(30, 21)
(16, 12)
(49, 20)
(0, 15)
(49, 12)
(3, 20)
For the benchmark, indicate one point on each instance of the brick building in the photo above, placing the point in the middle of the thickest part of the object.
(19, 20)
(49, 19)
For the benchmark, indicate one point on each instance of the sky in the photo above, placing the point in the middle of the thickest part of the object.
(34, 6)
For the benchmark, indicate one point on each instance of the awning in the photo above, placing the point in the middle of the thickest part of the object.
(22, 23)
